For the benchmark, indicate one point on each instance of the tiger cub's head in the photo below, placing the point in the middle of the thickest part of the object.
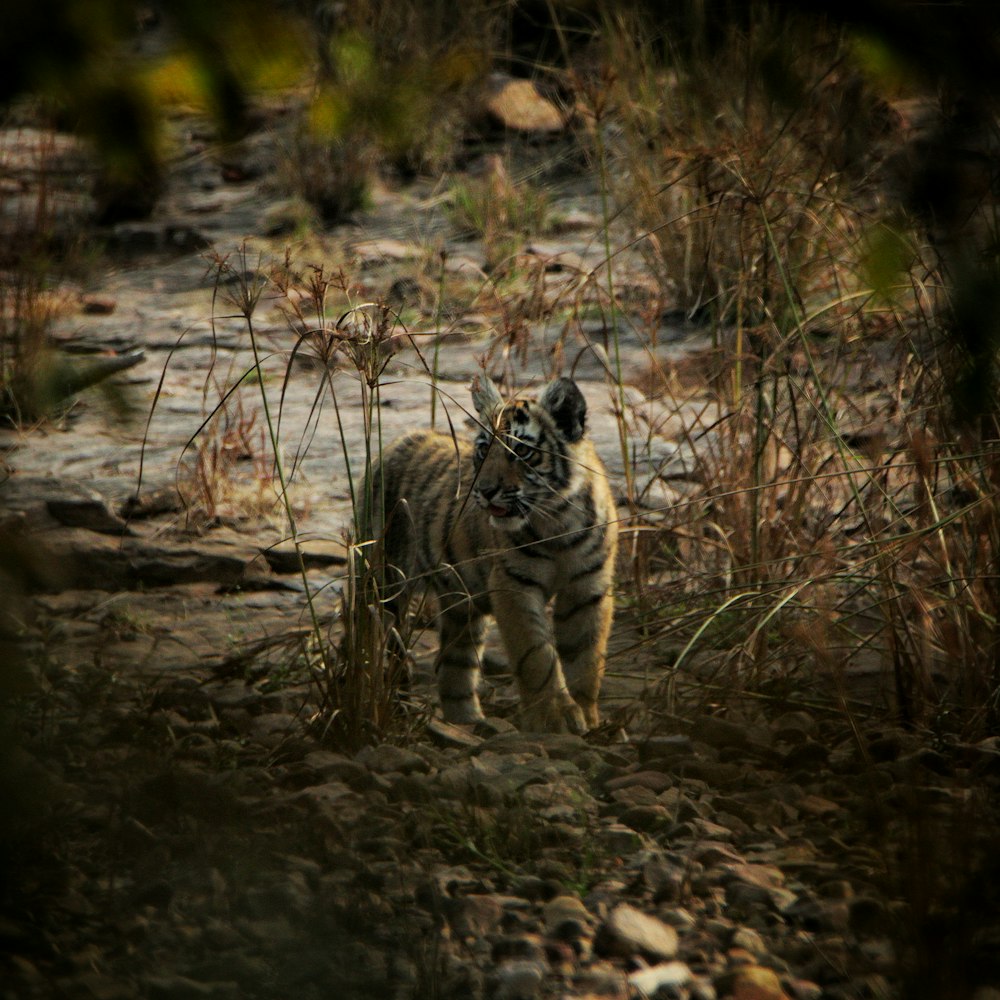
(524, 450)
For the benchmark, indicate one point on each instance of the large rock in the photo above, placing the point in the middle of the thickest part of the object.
(520, 106)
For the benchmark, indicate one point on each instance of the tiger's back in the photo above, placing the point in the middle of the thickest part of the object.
(521, 518)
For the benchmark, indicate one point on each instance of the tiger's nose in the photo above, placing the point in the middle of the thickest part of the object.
(488, 492)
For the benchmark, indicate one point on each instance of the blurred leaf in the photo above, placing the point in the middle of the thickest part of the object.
(353, 59)
(881, 64)
(178, 81)
(460, 66)
(328, 113)
(887, 257)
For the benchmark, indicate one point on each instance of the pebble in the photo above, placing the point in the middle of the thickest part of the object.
(655, 781)
(803, 989)
(668, 977)
(473, 916)
(384, 758)
(518, 980)
(617, 838)
(749, 940)
(665, 748)
(561, 910)
(663, 879)
(334, 765)
(750, 982)
(646, 818)
(628, 931)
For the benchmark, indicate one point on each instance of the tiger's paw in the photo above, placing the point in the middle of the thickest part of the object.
(554, 716)
(464, 712)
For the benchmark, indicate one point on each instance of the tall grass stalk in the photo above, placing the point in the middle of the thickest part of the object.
(250, 283)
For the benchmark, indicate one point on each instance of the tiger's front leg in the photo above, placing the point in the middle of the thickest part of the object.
(582, 621)
(461, 629)
(520, 611)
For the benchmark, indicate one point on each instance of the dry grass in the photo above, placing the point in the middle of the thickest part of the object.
(833, 527)
(738, 181)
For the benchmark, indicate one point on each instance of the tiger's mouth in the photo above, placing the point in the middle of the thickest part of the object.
(505, 516)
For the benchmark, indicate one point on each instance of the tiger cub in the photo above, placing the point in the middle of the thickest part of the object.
(504, 525)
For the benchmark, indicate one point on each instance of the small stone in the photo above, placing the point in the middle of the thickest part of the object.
(663, 880)
(665, 748)
(619, 839)
(628, 932)
(807, 757)
(751, 982)
(766, 876)
(793, 727)
(655, 781)
(646, 818)
(705, 829)
(598, 981)
(633, 795)
(335, 766)
(519, 980)
(815, 805)
(444, 734)
(518, 947)
(722, 733)
(385, 758)
(668, 976)
(563, 909)
(749, 940)
(804, 989)
(710, 854)
(474, 916)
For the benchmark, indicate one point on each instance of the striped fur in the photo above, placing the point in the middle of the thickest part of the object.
(518, 520)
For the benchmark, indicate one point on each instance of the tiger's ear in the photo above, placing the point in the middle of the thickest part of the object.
(486, 398)
(563, 399)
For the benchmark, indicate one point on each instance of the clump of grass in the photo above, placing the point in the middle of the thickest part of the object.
(395, 88)
(810, 540)
(25, 352)
(331, 173)
(27, 308)
(500, 211)
(228, 476)
(733, 178)
(355, 658)
(405, 75)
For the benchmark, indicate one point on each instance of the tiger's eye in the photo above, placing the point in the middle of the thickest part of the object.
(522, 450)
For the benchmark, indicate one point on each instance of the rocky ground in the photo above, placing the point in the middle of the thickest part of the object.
(176, 826)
